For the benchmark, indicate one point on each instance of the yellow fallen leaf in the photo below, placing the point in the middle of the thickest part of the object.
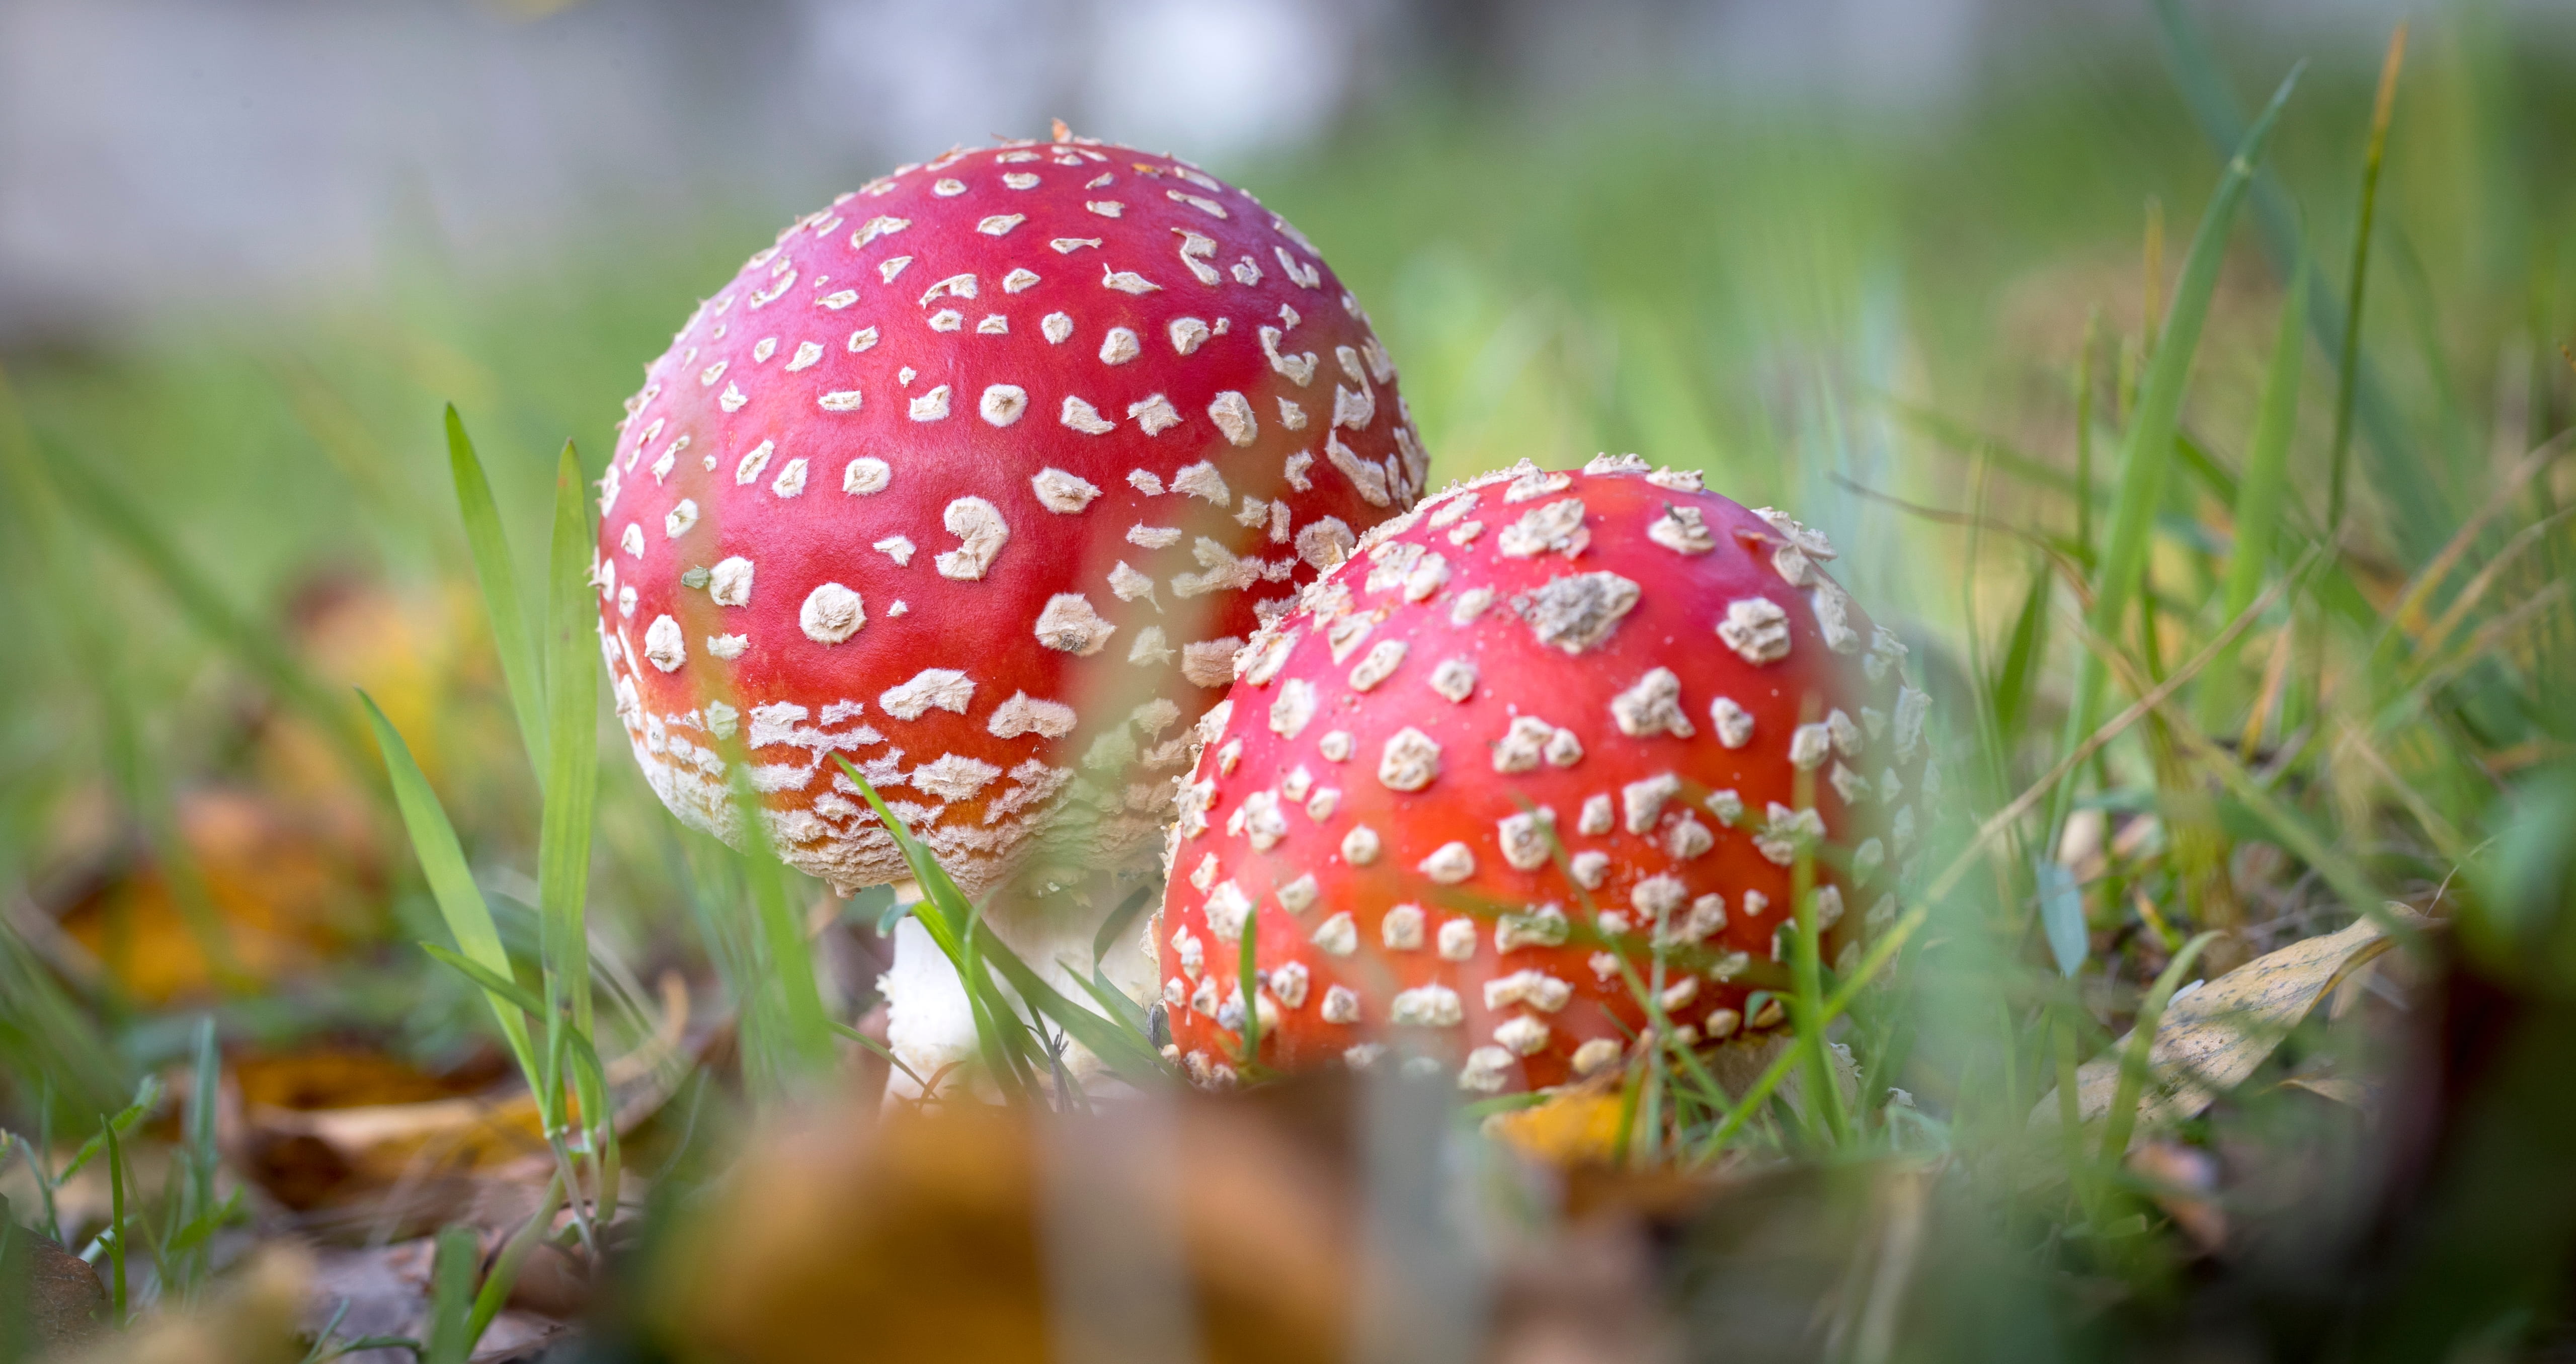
(330, 1126)
(1577, 1127)
(2211, 1039)
(289, 889)
(953, 1234)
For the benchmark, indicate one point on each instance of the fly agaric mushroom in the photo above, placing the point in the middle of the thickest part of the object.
(1543, 730)
(980, 477)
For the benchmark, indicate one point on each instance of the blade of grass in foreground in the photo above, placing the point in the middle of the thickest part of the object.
(198, 1149)
(2348, 365)
(1248, 982)
(1807, 994)
(45, 1037)
(451, 1296)
(803, 1050)
(2024, 657)
(499, 986)
(563, 850)
(2260, 496)
(1759, 1092)
(114, 1236)
(949, 920)
(451, 884)
(952, 924)
(572, 757)
(502, 601)
(2146, 456)
(505, 1267)
(1104, 1036)
(2084, 385)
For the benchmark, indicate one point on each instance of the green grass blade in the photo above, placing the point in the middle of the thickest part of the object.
(950, 921)
(1959, 436)
(998, 1034)
(2146, 456)
(451, 1295)
(806, 1025)
(1119, 918)
(200, 1213)
(2084, 386)
(115, 1235)
(1848, 988)
(1248, 980)
(572, 757)
(451, 883)
(193, 1234)
(2024, 656)
(1113, 1003)
(492, 982)
(205, 1078)
(884, 1052)
(502, 601)
(1807, 992)
(2348, 364)
(2197, 461)
(2420, 512)
(1125, 1053)
(147, 1096)
(2261, 496)
(495, 1293)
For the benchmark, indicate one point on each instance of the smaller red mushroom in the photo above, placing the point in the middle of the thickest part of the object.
(1547, 744)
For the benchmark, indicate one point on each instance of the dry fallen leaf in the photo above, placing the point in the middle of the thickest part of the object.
(2362, 1095)
(983, 1233)
(384, 1290)
(2210, 1040)
(1580, 1124)
(289, 888)
(2186, 1181)
(64, 1303)
(330, 1126)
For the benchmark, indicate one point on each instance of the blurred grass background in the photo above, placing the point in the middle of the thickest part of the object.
(1775, 294)
(1803, 296)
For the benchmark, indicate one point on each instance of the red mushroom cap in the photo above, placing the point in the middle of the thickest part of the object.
(981, 476)
(1667, 681)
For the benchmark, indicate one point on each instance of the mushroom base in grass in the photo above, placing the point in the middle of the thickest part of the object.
(1055, 931)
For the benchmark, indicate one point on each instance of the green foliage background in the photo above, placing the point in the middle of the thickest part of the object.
(1818, 307)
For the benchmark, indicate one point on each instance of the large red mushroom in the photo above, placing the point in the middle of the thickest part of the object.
(980, 477)
(1546, 739)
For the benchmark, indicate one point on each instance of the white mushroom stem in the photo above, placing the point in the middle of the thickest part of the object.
(928, 1023)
